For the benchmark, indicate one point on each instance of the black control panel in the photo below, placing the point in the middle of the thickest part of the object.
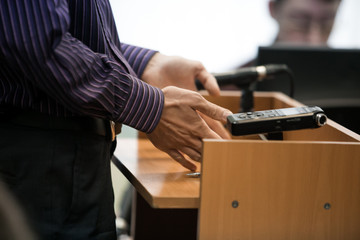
(276, 120)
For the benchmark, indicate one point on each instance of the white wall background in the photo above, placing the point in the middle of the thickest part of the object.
(222, 34)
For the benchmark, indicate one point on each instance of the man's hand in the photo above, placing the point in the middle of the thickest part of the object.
(181, 128)
(163, 71)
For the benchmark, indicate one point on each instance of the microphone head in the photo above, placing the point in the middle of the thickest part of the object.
(276, 68)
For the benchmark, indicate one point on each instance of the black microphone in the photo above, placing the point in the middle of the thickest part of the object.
(243, 77)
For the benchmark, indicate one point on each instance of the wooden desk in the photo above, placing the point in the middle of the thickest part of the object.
(161, 181)
(166, 201)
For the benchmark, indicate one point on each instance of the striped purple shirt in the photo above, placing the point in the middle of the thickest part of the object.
(64, 58)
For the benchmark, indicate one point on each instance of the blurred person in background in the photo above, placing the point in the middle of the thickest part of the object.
(306, 22)
(301, 23)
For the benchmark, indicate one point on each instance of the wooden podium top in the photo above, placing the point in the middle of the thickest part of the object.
(159, 179)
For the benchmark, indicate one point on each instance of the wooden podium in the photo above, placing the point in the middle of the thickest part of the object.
(306, 186)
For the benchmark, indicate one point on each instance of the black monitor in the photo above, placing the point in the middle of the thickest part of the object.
(326, 77)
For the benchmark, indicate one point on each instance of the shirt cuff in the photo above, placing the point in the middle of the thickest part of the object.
(137, 57)
(144, 107)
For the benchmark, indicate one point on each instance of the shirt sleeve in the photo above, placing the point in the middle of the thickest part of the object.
(137, 57)
(38, 48)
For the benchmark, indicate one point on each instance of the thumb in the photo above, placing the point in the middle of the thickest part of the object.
(209, 82)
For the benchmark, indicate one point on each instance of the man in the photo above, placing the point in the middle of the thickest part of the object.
(300, 23)
(64, 75)
(306, 22)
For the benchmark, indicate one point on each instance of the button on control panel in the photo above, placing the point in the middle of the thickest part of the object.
(257, 115)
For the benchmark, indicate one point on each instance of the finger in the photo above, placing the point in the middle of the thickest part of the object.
(192, 153)
(177, 156)
(204, 131)
(209, 82)
(211, 110)
(216, 126)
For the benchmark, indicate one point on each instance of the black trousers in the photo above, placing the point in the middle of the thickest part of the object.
(61, 179)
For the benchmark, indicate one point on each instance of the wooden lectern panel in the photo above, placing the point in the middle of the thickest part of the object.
(279, 190)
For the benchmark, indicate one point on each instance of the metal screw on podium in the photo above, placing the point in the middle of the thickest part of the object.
(327, 206)
(235, 204)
